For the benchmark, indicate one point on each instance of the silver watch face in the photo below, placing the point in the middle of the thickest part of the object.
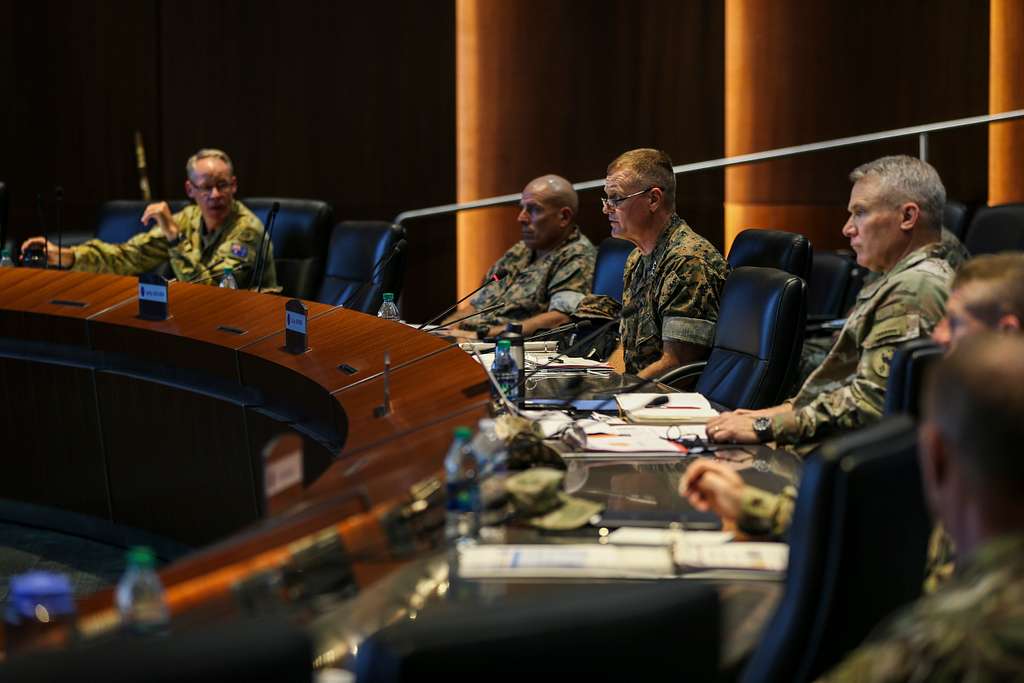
(763, 426)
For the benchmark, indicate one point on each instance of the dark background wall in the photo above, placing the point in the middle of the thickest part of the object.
(356, 102)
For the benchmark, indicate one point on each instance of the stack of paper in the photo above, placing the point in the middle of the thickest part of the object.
(587, 560)
(679, 408)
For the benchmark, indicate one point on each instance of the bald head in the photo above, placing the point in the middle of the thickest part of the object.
(554, 190)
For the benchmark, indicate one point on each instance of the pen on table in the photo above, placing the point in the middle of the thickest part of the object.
(657, 401)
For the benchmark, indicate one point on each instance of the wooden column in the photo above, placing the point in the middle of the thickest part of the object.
(1006, 92)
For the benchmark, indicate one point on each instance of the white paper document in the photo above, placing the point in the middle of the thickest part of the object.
(634, 535)
(679, 408)
(590, 560)
(628, 438)
(772, 557)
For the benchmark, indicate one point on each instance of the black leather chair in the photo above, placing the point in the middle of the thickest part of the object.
(118, 220)
(857, 548)
(907, 370)
(236, 652)
(354, 249)
(300, 234)
(758, 338)
(831, 275)
(611, 263)
(656, 631)
(996, 228)
(786, 251)
(956, 217)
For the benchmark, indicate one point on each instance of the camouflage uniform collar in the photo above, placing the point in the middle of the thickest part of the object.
(574, 234)
(997, 553)
(209, 239)
(665, 239)
(930, 250)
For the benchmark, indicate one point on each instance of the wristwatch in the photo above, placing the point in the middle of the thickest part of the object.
(764, 429)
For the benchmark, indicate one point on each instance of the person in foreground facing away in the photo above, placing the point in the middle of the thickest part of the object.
(894, 227)
(972, 629)
(548, 272)
(199, 242)
(987, 294)
(674, 277)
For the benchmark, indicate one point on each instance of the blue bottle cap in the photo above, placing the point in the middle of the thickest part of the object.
(41, 595)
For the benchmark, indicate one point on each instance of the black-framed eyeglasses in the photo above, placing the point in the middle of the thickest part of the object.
(206, 190)
(615, 202)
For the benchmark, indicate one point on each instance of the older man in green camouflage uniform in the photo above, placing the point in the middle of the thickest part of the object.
(973, 628)
(548, 272)
(199, 242)
(674, 277)
(894, 227)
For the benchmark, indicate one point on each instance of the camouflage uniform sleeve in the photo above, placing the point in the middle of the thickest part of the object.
(858, 400)
(766, 514)
(142, 253)
(688, 302)
(571, 279)
(238, 250)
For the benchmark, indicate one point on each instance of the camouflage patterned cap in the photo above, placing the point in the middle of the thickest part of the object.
(538, 499)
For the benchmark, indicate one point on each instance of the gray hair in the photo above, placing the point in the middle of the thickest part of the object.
(652, 167)
(906, 179)
(206, 153)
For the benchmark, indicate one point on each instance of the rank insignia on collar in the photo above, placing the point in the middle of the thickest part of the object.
(239, 250)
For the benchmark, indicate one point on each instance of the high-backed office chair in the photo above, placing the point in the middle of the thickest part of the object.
(236, 652)
(758, 338)
(300, 234)
(657, 631)
(956, 217)
(786, 251)
(996, 228)
(857, 548)
(118, 220)
(356, 246)
(611, 263)
(906, 376)
(831, 273)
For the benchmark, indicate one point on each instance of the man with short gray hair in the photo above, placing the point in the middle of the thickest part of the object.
(894, 227)
(200, 242)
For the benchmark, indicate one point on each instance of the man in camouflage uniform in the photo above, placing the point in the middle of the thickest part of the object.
(548, 272)
(970, 629)
(199, 242)
(674, 277)
(895, 228)
(987, 294)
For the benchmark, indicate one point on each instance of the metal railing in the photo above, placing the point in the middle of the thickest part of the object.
(782, 152)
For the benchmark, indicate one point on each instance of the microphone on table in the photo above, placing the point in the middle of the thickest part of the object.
(568, 327)
(486, 309)
(58, 195)
(627, 312)
(268, 234)
(213, 276)
(498, 276)
(380, 265)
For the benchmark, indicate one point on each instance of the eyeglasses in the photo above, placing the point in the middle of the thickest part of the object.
(206, 190)
(615, 202)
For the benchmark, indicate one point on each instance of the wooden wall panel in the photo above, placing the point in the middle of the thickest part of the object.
(1006, 72)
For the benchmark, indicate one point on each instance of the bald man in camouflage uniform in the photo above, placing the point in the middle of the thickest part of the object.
(199, 242)
(674, 277)
(894, 227)
(548, 272)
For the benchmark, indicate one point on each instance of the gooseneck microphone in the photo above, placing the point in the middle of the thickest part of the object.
(213, 276)
(58, 196)
(486, 309)
(568, 327)
(627, 312)
(268, 236)
(498, 276)
(378, 268)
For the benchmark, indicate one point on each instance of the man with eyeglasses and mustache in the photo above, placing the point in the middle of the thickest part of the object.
(199, 242)
(674, 277)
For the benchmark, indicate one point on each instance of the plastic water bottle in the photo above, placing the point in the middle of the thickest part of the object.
(514, 333)
(462, 485)
(388, 309)
(140, 595)
(490, 450)
(228, 281)
(5, 259)
(505, 372)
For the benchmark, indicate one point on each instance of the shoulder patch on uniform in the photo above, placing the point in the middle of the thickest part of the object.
(247, 235)
(239, 250)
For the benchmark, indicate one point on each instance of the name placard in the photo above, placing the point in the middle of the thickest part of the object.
(295, 319)
(152, 297)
